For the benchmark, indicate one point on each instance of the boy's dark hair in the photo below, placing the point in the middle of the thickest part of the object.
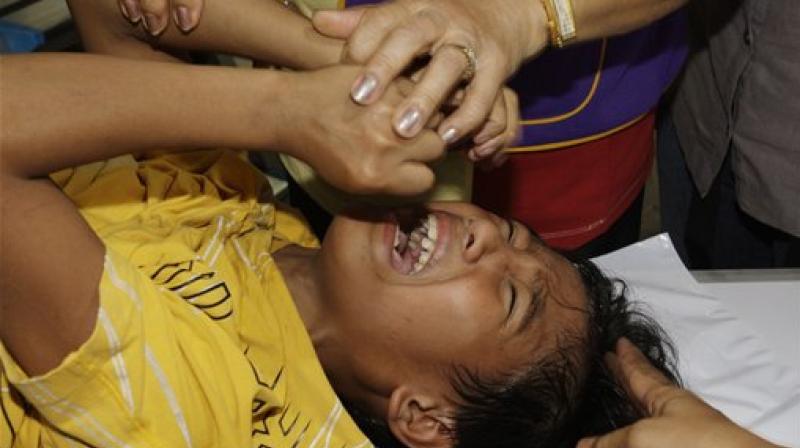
(565, 396)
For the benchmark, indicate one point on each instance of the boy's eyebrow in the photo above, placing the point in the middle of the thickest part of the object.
(536, 304)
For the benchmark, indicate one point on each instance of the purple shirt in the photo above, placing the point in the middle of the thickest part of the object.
(586, 90)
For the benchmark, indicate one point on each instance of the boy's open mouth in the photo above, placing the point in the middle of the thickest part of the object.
(417, 236)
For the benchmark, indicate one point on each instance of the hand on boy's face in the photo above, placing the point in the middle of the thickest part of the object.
(354, 147)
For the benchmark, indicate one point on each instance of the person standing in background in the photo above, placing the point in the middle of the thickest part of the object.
(729, 150)
(577, 175)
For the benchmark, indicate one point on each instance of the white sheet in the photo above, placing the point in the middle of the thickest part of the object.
(741, 354)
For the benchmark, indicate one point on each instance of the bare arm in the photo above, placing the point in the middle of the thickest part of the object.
(62, 110)
(94, 107)
(259, 29)
(604, 18)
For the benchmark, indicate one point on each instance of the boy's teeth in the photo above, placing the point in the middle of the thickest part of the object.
(424, 257)
(396, 237)
(420, 243)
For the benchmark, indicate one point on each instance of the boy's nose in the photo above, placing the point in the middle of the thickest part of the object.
(483, 238)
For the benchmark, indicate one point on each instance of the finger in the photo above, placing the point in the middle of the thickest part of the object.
(456, 99)
(487, 149)
(496, 124)
(374, 25)
(499, 159)
(477, 103)
(131, 10)
(399, 48)
(443, 74)
(155, 16)
(435, 120)
(616, 439)
(337, 24)
(186, 13)
(646, 384)
(428, 147)
(613, 363)
(412, 178)
(513, 121)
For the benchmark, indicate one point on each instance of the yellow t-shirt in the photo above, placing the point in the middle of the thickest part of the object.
(197, 341)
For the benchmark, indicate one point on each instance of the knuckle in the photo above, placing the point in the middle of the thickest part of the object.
(428, 23)
(407, 32)
(370, 177)
(357, 52)
(427, 98)
(658, 397)
(495, 129)
(470, 118)
(383, 64)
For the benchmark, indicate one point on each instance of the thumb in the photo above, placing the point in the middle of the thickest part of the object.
(617, 439)
(338, 24)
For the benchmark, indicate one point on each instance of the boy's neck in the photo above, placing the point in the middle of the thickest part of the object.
(300, 269)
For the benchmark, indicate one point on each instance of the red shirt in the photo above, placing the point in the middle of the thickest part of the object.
(574, 194)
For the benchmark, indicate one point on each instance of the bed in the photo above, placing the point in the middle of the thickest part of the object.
(737, 333)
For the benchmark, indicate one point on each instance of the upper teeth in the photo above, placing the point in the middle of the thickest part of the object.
(422, 238)
(428, 233)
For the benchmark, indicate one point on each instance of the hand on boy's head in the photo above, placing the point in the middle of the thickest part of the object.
(676, 417)
(155, 15)
(354, 147)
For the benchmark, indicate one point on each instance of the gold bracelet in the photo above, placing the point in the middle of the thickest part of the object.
(560, 21)
(552, 29)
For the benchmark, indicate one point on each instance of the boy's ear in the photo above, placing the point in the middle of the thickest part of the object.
(420, 420)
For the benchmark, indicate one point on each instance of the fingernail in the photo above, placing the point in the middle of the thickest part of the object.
(183, 17)
(487, 149)
(363, 88)
(152, 24)
(130, 8)
(146, 22)
(408, 120)
(450, 135)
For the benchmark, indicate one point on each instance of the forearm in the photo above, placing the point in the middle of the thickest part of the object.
(258, 29)
(62, 110)
(595, 19)
(603, 18)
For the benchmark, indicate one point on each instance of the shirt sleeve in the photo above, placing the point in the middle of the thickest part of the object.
(154, 373)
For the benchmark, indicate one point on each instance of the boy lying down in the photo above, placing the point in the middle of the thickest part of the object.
(167, 300)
